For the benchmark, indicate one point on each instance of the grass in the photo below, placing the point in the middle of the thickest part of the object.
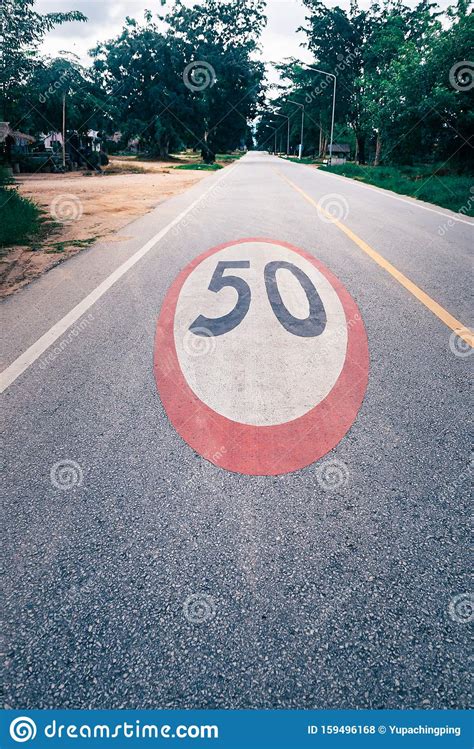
(58, 247)
(22, 222)
(304, 160)
(184, 160)
(20, 218)
(229, 156)
(201, 167)
(115, 168)
(428, 183)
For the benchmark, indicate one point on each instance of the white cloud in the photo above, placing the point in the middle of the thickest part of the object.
(280, 38)
(106, 18)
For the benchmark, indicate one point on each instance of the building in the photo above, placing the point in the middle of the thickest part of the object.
(340, 152)
(21, 140)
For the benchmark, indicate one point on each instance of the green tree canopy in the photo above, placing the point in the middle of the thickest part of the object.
(23, 30)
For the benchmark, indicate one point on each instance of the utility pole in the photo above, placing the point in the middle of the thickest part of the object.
(302, 125)
(288, 134)
(302, 128)
(331, 75)
(64, 131)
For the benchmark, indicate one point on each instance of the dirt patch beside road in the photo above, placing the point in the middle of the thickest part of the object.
(93, 207)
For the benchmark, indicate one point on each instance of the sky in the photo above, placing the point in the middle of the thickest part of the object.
(280, 38)
(106, 16)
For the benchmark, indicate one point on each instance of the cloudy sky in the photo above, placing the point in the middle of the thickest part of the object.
(106, 16)
(280, 38)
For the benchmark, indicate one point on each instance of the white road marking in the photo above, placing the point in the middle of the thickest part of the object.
(451, 216)
(25, 360)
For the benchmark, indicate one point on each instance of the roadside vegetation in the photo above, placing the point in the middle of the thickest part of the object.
(303, 160)
(166, 89)
(428, 183)
(187, 160)
(201, 167)
(152, 106)
(168, 81)
(20, 218)
(404, 97)
(184, 86)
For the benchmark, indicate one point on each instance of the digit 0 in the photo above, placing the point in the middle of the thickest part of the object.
(315, 323)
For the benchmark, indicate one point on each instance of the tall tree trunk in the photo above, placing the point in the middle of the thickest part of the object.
(378, 149)
(207, 154)
(361, 148)
(324, 145)
(165, 148)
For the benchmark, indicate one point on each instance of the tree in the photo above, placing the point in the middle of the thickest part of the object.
(140, 73)
(187, 78)
(396, 71)
(63, 77)
(23, 30)
(225, 83)
(337, 38)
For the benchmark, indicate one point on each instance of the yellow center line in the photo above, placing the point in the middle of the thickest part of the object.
(461, 330)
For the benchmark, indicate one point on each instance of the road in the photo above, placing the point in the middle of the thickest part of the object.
(142, 574)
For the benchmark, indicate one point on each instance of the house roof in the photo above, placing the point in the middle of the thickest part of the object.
(6, 130)
(341, 148)
(23, 136)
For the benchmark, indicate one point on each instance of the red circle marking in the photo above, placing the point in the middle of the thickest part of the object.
(261, 450)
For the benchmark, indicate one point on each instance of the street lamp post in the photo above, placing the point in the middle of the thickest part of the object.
(288, 135)
(331, 75)
(64, 131)
(302, 124)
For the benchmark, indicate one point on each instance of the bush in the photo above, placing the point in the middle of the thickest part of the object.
(202, 167)
(429, 183)
(19, 217)
(38, 162)
(5, 177)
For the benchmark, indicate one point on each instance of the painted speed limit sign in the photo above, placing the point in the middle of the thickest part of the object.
(261, 357)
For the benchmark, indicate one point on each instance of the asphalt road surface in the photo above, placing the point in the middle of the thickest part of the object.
(155, 560)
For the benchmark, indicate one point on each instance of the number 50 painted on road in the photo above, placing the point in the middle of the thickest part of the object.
(286, 384)
(312, 326)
